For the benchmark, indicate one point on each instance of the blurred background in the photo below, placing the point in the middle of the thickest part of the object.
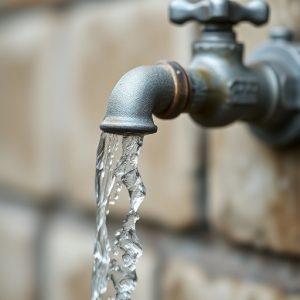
(222, 215)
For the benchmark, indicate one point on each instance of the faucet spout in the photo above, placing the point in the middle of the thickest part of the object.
(161, 89)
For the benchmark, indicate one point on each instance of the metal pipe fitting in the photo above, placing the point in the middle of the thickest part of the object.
(160, 89)
(218, 88)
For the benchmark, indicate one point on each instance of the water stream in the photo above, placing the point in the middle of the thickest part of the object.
(114, 268)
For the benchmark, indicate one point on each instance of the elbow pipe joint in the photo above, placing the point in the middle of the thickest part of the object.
(162, 90)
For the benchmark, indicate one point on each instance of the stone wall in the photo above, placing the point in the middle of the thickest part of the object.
(58, 63)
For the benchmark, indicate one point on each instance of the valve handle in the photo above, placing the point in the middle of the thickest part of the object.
(219, 11)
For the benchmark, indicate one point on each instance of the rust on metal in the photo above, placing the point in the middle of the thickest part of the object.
(181, 90)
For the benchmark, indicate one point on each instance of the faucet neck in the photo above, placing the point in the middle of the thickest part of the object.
(220, 41)
(222, 33)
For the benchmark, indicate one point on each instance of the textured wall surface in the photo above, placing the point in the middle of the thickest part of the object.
(58, 64)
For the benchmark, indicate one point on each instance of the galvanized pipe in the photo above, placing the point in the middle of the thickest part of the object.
(161, 89)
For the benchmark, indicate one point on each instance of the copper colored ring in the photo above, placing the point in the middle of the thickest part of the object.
(181, 92)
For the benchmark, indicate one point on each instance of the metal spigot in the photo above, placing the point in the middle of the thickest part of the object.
(217, 88)
(161, 89)
(224, 89)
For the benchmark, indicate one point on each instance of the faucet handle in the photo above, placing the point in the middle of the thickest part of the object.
(219, 11)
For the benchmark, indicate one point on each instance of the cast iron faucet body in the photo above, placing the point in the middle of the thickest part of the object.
(217, 88)
(161, 89)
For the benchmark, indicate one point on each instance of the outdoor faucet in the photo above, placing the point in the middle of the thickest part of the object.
(218, 88)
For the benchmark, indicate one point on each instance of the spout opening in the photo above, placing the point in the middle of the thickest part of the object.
(128, 126)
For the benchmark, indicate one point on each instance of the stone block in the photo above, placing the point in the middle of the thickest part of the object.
(187, 282)
(213, 270)
(18, 263)
(26, 150)
(254, 195)
(66, 260)
(15, 4)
